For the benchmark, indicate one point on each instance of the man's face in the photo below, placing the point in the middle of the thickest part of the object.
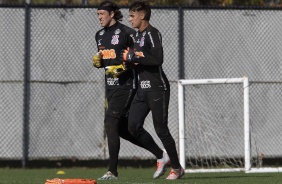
(135, 18)
(105, 17)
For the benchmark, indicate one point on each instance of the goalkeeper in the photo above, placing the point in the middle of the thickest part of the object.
(153, 91)
(120, 80)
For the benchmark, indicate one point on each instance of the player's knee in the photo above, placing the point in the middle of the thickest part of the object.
(162, 133)
(111, 124)
(132, 130)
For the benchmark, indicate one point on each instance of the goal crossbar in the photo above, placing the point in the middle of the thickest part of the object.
(247, 154)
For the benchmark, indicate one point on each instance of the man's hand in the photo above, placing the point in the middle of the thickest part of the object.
(115, 70)
(128, 55)
(97, 60)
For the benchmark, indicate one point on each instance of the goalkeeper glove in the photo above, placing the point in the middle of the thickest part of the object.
(115, 70)
(97, 60)
(128, 55)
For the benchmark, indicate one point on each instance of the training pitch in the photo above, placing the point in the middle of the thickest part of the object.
(133, 176)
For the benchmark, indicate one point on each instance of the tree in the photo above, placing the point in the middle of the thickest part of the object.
(12, 1)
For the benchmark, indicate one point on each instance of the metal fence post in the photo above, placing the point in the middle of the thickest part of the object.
(26, 87)
(181, 43)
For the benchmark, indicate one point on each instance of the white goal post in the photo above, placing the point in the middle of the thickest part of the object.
(247, 165)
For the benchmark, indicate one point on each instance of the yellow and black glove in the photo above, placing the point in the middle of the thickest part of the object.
(115, 70)
(97, 60)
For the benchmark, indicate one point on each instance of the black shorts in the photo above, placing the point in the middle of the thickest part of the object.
(118, 101)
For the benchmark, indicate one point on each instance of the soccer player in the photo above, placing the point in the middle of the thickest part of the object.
(120, 82)
(153, 91)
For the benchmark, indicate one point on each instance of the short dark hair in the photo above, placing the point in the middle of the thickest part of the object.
(141, 6)
(111, 6)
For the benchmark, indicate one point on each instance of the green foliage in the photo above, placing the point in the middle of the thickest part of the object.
(44, 1)
(12, 1)
(249, 2)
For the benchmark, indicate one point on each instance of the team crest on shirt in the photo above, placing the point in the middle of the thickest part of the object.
(115, 39)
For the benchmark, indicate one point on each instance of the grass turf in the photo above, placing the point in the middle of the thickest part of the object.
(134, 176)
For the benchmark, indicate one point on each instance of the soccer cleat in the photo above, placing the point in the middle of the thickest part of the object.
(108, 176)
(161, 165)
(175, 174)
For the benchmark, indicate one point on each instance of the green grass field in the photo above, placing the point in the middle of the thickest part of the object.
(134, 176)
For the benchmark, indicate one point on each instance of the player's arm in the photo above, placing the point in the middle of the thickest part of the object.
(97, 58)
(153, 57)
(130, 43)
(152, 53)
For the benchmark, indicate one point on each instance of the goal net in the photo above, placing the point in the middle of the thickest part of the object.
(214, 127)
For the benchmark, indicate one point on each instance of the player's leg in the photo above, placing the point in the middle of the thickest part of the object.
(111, 128)
(113, 112)
(118, 102)
(159, 102)
(125, 134)
(137, 114)
(123, 123)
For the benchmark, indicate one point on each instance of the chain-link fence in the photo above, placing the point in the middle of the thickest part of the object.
(52, 99)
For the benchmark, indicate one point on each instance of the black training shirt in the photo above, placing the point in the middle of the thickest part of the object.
(149, 56)
(112, 41)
